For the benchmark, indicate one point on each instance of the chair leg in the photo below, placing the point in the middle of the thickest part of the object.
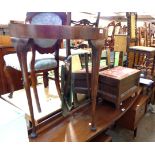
(87, 74)
(34, 84)
(45, 79)
(75, 99)
(8, 76)
(56, 74)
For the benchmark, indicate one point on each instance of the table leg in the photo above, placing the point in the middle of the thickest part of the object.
(96, 55)
(23, 57)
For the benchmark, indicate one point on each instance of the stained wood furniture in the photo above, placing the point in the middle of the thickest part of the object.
(58, 32)
(149, 52)
(110, 39)
(38, 63)
(147, 69)
(132, 117)
(118, 28)
(131, 35)
(81, 49)
(6, 47)
(118, 83)
(4, 85)
(144, 35)
(3, 50)
(75, 127)
(115, 84)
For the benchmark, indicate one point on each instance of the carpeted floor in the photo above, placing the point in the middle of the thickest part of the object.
(145, 132)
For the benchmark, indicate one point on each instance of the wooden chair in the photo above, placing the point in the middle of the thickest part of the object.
(137, 58)
(114, 58)
(81, 48)
(36, 62)
(118, 28)
(111, 31)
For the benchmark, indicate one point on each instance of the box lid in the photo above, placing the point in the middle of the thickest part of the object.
(119, 72)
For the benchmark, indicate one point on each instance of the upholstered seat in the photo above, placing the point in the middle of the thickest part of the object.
(42, 62)
(39, 52)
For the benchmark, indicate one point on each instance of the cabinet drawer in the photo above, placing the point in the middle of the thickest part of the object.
(139, 112)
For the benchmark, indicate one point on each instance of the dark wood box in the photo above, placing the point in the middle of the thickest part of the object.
(118, 83)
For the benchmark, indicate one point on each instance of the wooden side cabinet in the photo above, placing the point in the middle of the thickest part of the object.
(6, 47)
(132, 117)
(4, 86)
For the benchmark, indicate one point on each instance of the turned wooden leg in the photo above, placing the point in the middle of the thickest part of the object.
(45, 79)
(9, 79)
(56, 74)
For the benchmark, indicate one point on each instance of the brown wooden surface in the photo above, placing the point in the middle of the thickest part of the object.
(115, 85)
(96, 35)
(150, 54)
(76, 127)
(56, 32)
(4, 86)
(118, 83)
(132, 117)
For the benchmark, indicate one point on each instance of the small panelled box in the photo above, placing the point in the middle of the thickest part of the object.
(118, 84)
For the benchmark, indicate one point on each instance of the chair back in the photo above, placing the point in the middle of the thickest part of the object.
(111, 29)
(83, 22)
(117, 28)
(46, 18)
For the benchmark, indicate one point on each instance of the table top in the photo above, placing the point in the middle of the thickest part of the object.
(5, 46)
(142, 48)
(56, 32)
(76, 127)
